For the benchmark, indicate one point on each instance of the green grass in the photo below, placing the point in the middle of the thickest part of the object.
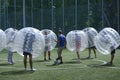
(88, 69)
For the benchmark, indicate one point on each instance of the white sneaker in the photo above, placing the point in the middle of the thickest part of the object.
(33, 69)
(55, 61)
(78, 60)
(10, 63)
(25, 69)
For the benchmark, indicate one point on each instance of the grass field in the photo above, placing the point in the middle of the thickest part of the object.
(88, 69)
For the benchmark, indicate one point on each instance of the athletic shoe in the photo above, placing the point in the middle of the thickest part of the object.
(78, 60)
(33, 69)
(25, 69)
(61, 63)
(55, 62)
(88, 57)
(10, 63)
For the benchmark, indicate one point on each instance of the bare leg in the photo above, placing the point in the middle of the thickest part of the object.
(30, 61)
(59, 55)
(10, 61)
(44, 55)
(61, 61)
(94, 52)
(49, 55)
(78, 55)
(25, 61)
(89, 54)
(112, 57)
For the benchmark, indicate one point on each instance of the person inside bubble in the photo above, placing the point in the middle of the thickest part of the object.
(47, 46)
(10, 39)
(77, 46)
(112, 49)
(61, 45)
(90, 50)
(112, 55)
(27, 49)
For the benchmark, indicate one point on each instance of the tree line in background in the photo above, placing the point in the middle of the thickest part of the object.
(95, 13)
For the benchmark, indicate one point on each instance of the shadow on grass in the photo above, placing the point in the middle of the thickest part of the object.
(17, 72)
(83, 58)
(72, 62)
(65, 62)
(38, 61)
(52, 65)
(108, 65)
(41, 61)
(5, 64)
(100, 65)
(86, 58)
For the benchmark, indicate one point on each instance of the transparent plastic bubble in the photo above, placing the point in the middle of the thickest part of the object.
(2, 40)
(107, 40)
(76, 40)
(50, 38)
(33, 37)
(91, 33)
(10, 36)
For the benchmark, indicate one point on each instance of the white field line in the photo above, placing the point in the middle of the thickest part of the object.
(16, 68)
(83, 67)
(103, 62)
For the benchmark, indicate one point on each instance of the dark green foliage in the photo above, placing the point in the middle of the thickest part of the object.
(45, 8)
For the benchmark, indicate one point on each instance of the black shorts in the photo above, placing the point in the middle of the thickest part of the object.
(26, 53)
(113, 51)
